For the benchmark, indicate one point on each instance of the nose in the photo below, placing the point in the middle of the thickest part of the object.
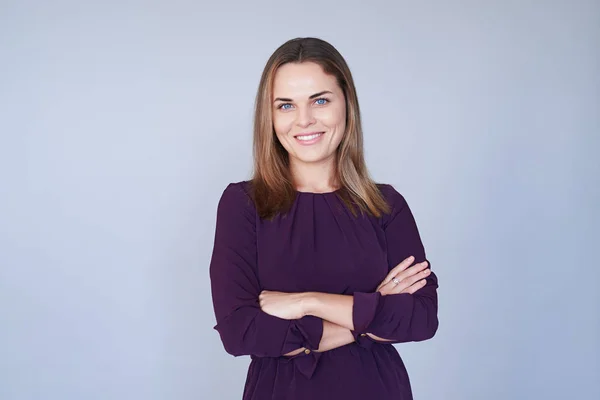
(305, 117)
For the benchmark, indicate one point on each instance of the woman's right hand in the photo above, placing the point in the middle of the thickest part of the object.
(403, 279)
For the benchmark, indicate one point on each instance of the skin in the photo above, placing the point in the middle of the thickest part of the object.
(336, 310)
(311, 166)
(308, 100)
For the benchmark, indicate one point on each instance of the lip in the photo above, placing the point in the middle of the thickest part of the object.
(309, 142)
(308, 133)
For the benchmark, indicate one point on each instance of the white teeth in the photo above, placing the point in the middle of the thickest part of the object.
(309, 137)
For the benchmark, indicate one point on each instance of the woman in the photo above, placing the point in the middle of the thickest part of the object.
(316, 270)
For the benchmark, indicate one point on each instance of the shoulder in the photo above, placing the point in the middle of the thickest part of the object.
(392, 196)
(395, 200)
(238, 189)
(237, 195)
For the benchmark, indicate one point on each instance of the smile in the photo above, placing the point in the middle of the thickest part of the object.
(310, 138)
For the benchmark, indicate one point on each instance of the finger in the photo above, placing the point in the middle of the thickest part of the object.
(397, 269)
(408, 282)
(402, 275)
(393, 287)
(386, 289)
(411, 280)
(414, 270)
(413, 288)
(262, 296)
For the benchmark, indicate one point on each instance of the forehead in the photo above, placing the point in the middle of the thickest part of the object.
(302, 79)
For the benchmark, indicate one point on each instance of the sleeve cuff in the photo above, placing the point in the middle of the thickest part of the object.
(364, 310)
(304, 332)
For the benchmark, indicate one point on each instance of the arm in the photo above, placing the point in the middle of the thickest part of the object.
(334, 336)
(335, 308)
(291, 306)
(243, 327)
(399, 317)
(392, 318)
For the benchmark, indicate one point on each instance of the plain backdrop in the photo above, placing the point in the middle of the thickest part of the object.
(122, 122)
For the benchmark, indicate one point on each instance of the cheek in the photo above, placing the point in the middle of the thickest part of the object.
(282, 124)
(336, 118)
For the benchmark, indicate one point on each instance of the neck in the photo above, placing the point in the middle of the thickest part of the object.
(314, 177)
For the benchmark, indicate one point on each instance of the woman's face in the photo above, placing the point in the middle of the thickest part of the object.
(309, 112)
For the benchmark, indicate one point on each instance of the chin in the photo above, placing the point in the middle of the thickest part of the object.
(312, 158)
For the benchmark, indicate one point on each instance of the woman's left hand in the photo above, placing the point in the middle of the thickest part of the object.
(283, 305)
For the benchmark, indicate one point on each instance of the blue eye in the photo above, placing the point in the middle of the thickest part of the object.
(320, 101)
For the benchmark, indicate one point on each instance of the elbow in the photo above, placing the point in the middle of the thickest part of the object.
(233, 348)
(238, 343)
(426, 320)
(233, 342)
(427, 332)
(232, 345)
(240, 336)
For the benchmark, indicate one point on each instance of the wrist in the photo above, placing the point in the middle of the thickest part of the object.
(309, 303)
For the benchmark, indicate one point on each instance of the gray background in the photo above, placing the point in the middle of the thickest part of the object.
(122, 122)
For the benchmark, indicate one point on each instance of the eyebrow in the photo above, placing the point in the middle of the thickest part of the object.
(311, 97)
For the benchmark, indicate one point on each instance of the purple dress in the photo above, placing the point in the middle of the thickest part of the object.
(318, 246)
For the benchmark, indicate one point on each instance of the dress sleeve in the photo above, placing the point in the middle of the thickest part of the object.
(399, 317)
(243, 327)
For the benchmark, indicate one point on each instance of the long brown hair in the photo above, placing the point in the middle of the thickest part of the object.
(272, 184)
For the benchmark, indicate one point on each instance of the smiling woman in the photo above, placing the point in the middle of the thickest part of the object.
(308, 121)
(314, 291)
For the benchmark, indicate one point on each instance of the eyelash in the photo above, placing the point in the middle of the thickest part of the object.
(279, 107)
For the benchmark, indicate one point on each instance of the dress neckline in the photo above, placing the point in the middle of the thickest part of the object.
(318, 193)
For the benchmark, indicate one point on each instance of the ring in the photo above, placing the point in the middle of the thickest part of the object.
(395, 280)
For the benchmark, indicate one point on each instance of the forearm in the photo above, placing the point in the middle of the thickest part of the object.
(334, 336)
(335, 308)
(397, 318)
(336, 311)
(409, 317)
(250, 331)
(378, 338)
(294, 352)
